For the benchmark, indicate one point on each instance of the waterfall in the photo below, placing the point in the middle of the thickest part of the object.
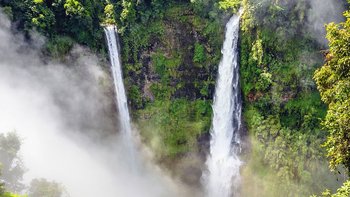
(222, 177)
(121, 100)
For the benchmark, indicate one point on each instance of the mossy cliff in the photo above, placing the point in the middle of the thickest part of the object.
(170, 65)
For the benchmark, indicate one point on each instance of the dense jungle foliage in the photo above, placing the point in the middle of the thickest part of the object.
(170, 52)
(333, 83)
(282, 107)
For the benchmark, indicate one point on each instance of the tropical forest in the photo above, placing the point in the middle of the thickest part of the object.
(174, 98)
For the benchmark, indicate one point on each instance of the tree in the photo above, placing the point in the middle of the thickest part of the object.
(230, 4)
(11, 163)
(109, 14)
(333, 82)
(128, 13)
(73, 7)
(343, 191)
(2, 188)
(42, 17)
(42, 187)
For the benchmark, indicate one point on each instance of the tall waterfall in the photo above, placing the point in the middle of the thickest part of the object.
(222, 177)
(121, 100)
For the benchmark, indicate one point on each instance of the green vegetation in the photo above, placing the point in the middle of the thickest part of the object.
(282, 107)
(170, 53)
(109, 14)
(42, 187)
(73, 19)
(230, 4)
(2, 188)
(170, 61)
(172, 128)
(199, 53)
(7, 194)
(59, 46)
(343, 191)
(333, 82)
(12, 169)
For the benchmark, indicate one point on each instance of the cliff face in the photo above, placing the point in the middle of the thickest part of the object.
(170, 65)
(179, 51)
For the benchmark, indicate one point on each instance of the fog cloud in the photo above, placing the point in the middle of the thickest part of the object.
(322, 12)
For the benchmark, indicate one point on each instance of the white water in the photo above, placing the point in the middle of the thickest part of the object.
(223, 164)
(121, 100)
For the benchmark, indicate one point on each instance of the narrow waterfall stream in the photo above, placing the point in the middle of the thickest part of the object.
(222, 178)
(121, 100)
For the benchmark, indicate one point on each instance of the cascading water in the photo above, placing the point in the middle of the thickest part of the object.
(121, 100)
(222, 178)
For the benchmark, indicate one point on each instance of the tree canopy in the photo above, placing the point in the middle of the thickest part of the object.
(11, 164)
(42, 187)
(333, 82)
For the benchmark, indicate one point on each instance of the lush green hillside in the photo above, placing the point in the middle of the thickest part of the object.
(282, 107)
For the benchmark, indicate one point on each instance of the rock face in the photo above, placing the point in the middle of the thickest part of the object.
(181, 55)
(170, 65)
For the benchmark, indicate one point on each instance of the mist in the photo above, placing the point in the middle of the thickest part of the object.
(322, 12)
(315, 15)
(64, 115)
